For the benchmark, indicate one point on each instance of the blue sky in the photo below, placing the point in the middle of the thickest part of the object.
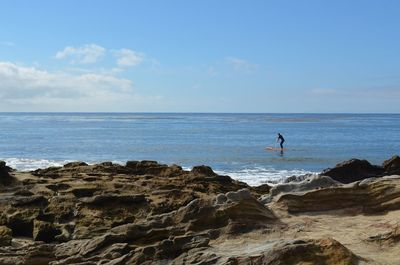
(200, 56)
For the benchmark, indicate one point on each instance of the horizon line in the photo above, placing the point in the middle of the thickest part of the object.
(182, 112)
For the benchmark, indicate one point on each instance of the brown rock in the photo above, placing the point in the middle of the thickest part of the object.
(392, 166)
(75, 164)
(368, 196)
(238, 210)
(149, 213)
(391, 237)
(84, 192)
(353, 170)
(114, 199)
(203, 170)
(35, 200)
(45, 231)
(5, 177)
(5, 236)
(323, 251)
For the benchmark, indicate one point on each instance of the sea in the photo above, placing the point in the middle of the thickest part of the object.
(232, 144)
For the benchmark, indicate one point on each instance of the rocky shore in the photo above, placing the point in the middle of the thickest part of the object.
(149, 213)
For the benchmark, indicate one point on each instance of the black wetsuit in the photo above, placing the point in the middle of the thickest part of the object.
(280, 137)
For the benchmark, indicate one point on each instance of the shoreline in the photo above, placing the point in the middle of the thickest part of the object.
(252, 176)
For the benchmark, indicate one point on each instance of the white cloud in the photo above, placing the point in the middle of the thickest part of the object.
(86, 54)
(60, 91)
(127, 57)
(240, 64)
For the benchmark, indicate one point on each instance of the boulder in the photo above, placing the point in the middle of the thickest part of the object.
(75, 164)
(353, 170)
(203, 170)
(298, 178)
(5, 177)
(262, 189)
(145, 167)
(5, 236)
(392, 166)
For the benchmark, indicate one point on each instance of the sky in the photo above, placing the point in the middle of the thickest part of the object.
(200, 56)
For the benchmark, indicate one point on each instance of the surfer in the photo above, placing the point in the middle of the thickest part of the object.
(280, 138)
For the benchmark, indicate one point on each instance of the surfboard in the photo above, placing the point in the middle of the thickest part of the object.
(270, 148)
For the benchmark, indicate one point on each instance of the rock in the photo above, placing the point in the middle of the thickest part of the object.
(99, 200)
(84, 192)
(239, 210)
(5, 177)
(26, 253)
(4, 167)
(311, 183)
(392, 166)
(367, 196)
(40, 254)
(262, 189)
(203, 170)
(202, 256)
(353, 170)
(52, 172)
(21, 223)
(46, 216)
(23, 193)
(149, 213)
(240, 195)
(145, 167)
(58, 186)
(66, 232)
(171, 248)
(298, 178)
(45, 231)
(30, 200)
(75, 164)
(5, 236)
(322, 251)
(221, 199)
(391, 237)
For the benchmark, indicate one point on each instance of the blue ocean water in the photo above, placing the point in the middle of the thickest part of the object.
(232, 144)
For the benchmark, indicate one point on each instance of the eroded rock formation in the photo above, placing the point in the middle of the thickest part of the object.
(149, 213)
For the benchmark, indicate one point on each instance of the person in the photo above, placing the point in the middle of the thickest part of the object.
(280, 138)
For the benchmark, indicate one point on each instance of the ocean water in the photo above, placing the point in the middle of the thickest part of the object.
(232, 144)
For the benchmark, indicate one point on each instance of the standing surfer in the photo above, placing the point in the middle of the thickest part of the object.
(281, 139)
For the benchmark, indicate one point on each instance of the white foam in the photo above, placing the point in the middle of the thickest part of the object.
(258, 176)
(252, 176)
(28, 164)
